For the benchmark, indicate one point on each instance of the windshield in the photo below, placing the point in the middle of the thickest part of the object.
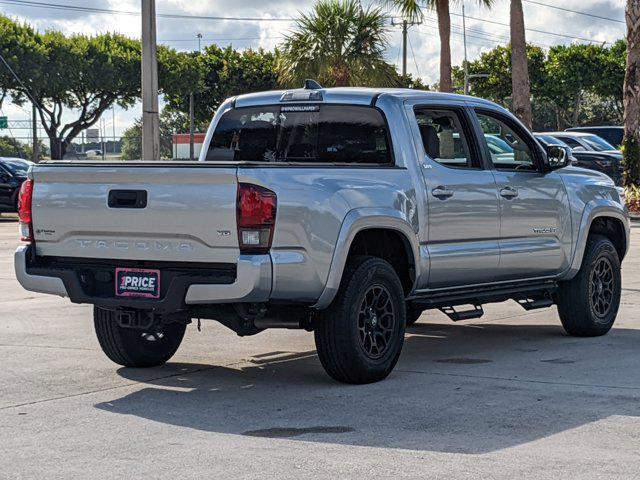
(549, 140)
(301, 133)
(16, 167)
(597, 143)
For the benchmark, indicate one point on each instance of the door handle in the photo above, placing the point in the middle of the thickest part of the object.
(442, 192)
(509, 192)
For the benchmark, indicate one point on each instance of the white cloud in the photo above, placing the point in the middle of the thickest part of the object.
(181, 33)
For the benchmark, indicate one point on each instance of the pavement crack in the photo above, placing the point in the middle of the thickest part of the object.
(520, 380)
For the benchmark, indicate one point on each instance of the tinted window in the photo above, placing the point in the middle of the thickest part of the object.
(444, 138)
(302, 133)
(515, 154)
(571, 142)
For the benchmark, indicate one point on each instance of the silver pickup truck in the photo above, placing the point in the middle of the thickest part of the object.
(346, 212)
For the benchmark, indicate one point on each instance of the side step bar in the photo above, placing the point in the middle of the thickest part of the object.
(529, 295)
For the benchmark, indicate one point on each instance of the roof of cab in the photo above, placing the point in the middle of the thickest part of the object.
(353, 95)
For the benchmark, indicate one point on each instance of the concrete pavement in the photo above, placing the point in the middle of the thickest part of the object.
(508, 396)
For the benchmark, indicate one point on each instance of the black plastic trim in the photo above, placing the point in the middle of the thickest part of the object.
(93, 281)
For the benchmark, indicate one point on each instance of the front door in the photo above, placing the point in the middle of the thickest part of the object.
(535, 232)
(463, 223)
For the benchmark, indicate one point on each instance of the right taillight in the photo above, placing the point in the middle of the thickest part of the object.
(24, 211)
(256, 217)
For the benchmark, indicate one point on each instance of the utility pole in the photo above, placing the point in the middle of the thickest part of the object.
(36, 145)
(150, 116)
(199, 35)
(405, 33)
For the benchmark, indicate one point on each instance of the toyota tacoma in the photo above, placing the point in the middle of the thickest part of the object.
(346, 212)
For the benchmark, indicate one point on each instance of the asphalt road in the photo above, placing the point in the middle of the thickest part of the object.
(509, 396)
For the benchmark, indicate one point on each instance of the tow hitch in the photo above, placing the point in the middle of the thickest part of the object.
(138, 319)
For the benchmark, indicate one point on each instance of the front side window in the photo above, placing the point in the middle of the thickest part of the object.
(444, 138)
(302, 134)
(508, 149)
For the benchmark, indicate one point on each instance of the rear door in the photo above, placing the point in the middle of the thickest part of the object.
(462, 220)
(137, 212)
(535, 233)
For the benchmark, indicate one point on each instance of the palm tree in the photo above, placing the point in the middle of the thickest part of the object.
(519, 67)
(632, 96)
(339, 44)
(413, 10)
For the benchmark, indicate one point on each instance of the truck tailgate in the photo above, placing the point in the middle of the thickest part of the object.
(189, 214)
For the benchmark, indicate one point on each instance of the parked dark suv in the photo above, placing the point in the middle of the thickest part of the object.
(13, 171)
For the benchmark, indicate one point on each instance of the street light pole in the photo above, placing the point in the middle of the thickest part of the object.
(150, 116)
(465, 63)
(36, 145)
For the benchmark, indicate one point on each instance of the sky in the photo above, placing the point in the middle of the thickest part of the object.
(423, 54)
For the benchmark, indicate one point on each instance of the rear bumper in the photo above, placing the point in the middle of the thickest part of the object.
(248, 281)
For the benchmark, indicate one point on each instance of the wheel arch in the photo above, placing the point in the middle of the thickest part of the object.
(606, 218)
(362, 225)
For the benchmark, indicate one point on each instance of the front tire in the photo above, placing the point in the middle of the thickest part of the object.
(588, 304)
(135, 348)
(360, 336)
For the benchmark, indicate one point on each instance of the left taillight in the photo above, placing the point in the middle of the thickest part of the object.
(256, 217)
(25, 212)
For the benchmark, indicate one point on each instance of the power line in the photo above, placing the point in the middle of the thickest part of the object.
(78, 8)
(58, 6)
(217, 39)
(493, 22)
(577, 12)
(414, 56)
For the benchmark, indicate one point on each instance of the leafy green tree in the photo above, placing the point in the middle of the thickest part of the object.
(10, 147)
(216, 74)
(496, 65)
(575, 84)
(170, 123)
(339, 44)
(86, 74)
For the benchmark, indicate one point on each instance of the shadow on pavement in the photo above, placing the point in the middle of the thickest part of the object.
(457, 388)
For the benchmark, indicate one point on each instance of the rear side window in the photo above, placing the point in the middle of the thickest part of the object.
(302, 134)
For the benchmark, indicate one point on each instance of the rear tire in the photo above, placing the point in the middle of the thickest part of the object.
(588, 304)
(131, 347)
(360, 336)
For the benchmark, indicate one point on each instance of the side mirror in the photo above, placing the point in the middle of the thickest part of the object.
(557, 157)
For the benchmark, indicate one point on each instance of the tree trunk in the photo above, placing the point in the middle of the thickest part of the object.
(444, 29)
(631, 98)
(519, 67)
(58, 147)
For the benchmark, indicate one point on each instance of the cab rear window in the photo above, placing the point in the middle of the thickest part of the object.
(333, 134)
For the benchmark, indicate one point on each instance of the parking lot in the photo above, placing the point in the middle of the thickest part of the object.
(506, 396)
